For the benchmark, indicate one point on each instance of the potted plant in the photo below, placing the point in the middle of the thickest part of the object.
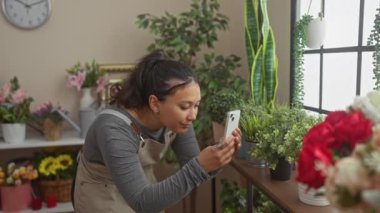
(48, 119)
(87, 77)
(55, 172)
(15, 186)
(280, 138)
(261, 53)
(219, 104)
(251, 121)
(14, 111)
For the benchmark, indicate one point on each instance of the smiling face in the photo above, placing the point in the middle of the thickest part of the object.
(179, 109)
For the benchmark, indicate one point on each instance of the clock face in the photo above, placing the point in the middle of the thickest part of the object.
(27, 14)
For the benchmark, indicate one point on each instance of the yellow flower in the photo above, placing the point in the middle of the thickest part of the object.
(48, 166)
(64, 161)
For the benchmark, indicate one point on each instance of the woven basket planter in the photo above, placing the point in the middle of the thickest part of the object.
(60, 189)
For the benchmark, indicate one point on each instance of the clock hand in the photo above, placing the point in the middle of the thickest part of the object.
(39, 2)
(23, 3)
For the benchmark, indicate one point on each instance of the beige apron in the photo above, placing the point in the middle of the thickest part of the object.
(94, 189)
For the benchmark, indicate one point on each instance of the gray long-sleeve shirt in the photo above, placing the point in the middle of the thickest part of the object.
(112, 142)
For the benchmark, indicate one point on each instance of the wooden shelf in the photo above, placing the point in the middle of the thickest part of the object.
(69, 138)
(61, 207)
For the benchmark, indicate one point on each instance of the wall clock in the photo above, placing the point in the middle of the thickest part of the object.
(26, 14)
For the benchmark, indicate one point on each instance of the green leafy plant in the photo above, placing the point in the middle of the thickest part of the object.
(233, 197)
(261, 53)
(222, 102)
(182, 37)
(282, 134)
(252, 120)
(298, 54)
(374, 39)
(14, 103)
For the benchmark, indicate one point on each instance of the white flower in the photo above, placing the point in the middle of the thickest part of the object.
(351, 174)
(369, 105)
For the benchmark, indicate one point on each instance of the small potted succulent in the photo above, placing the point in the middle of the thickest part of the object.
(219, 104)
(280, 139)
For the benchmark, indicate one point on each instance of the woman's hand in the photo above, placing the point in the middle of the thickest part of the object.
(215, 157)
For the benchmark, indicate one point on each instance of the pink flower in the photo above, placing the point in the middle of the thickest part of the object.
(6, 90)
(101, 83)
(19, 96)
(76, 80)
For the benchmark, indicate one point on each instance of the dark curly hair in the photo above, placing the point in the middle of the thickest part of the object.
(153, 75)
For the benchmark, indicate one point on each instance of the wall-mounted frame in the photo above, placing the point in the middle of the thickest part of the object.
(116, 73)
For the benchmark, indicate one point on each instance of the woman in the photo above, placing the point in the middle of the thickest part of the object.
(152, 111)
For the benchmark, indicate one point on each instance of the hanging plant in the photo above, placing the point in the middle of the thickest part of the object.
(374, 39)
(299, 48)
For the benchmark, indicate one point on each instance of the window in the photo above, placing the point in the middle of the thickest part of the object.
(342, 68)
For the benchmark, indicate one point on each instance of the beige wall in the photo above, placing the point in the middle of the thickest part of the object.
(82, 30)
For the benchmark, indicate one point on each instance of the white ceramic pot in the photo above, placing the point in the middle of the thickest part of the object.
(87, 99)
(14, 133)
(314, 197)
(316, 31)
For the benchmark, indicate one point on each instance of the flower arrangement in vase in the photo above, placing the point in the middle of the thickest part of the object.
(55, 175)
(86, 77)
(16, 190)
(14, 111)
(342, 154)
(49, 119)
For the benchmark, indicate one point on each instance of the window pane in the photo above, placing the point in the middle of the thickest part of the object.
(367, 82)
(339, 80)
(311, 80)
(315, 7)
(369, 17)
(342, 23)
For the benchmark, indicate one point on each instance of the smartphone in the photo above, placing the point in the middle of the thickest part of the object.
(232, 122)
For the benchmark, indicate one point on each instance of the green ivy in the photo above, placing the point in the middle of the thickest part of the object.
(374, 39)
(298, 54)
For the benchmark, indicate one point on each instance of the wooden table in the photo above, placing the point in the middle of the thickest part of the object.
(283, 193)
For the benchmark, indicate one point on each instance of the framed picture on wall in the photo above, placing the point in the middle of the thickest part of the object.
(116, 73)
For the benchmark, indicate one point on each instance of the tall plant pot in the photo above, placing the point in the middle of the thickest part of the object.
(282, 171)
(14, 133)
(86, 117)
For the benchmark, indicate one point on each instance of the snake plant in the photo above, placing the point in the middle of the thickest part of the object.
(261, 53)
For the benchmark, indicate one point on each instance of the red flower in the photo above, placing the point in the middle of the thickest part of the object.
(339, 131)
(308, 170)
(352, 130)
(320, 134)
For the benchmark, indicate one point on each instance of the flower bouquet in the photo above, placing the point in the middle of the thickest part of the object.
(16, 190)
(342, 154)
(14, 111)
(47, 117)
(85, 78)
(56, 173)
